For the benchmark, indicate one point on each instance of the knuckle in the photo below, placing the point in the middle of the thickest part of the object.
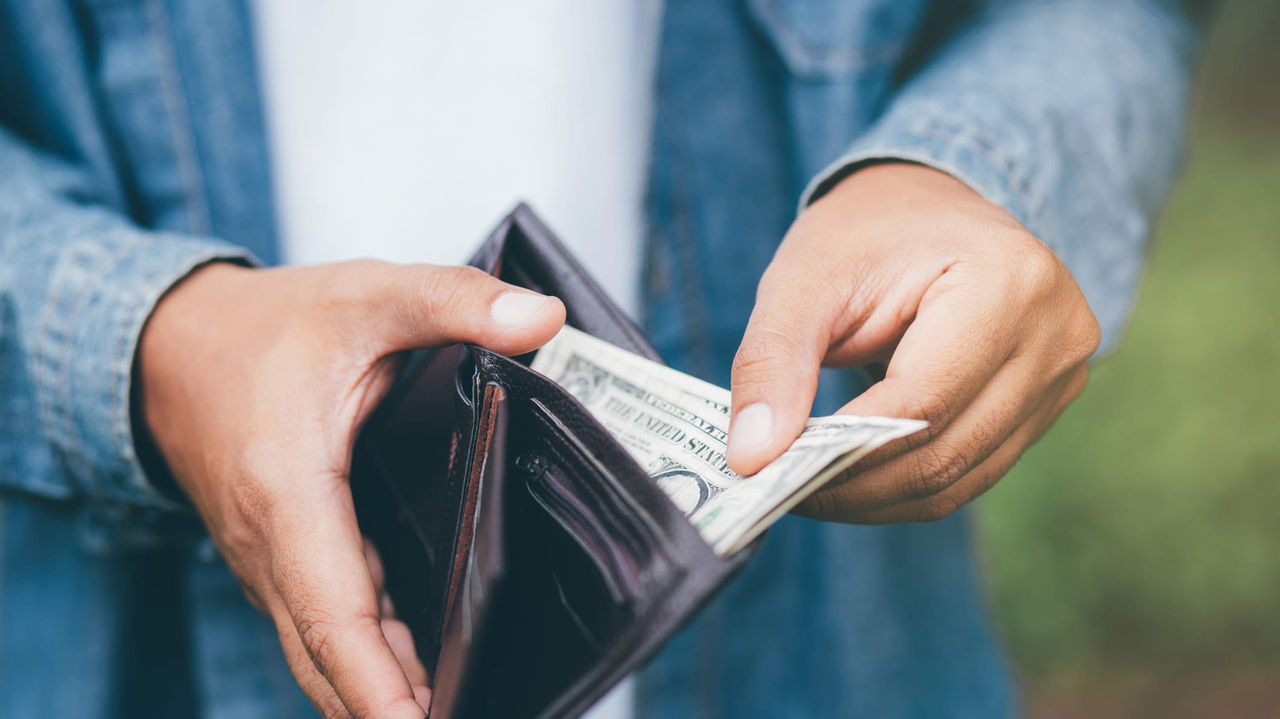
(252, 499)
(322, 635)
(1040, 268)
(922, 438)
(257, 506)
(759, 353)
(445, 290)
(1090, 335)
(822, 505)
(931, 406)
(316, 632)
(937, 469)
(1078, 341)
(1030, 275)
(244, 518)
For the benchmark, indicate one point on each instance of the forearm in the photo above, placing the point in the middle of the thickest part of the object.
(1070, 115)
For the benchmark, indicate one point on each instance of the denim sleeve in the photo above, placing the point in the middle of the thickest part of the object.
(77, 283)
(1070, 114)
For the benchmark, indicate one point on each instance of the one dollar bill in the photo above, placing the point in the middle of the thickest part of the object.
(677, 426)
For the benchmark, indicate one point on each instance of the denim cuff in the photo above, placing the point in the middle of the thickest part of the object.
(101, 295)
(965, 152)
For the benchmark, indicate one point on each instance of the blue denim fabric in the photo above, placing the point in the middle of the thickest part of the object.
(132, 151)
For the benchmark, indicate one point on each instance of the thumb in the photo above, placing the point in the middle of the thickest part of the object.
(429, 306)
(775, 373)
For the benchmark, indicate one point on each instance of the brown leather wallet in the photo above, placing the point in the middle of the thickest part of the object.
(534, 561)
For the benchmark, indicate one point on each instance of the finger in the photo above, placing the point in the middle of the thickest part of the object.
(945, 359)
(968, 488)
(401, 642)
(309, 679)
(423, 696)
(320, 572)
(377, 574)
(974, 484)
(1005, 404)
(775, 372)
(430, 306)
(847, 504)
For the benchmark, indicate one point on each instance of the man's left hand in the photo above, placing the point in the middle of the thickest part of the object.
(985, 332)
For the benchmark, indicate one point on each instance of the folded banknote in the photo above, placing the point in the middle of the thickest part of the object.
(676, 426)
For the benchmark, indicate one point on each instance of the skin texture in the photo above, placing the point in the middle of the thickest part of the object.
(985, 332)
(254, 386)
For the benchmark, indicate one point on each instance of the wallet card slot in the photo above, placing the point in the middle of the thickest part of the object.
(624, 525)
(554, 494)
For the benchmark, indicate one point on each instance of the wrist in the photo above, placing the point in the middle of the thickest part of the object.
(909, 178)
(898, 189)
(170, 342)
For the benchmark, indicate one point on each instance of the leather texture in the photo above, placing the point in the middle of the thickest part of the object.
(535, 562)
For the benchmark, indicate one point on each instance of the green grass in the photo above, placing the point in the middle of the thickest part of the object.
(1144, 530)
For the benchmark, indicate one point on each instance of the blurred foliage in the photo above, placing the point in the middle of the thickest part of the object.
(1143, 534)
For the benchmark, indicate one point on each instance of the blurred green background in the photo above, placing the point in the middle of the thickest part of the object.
(1133, 556)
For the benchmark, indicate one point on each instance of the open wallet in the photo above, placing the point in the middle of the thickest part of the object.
(535, 562)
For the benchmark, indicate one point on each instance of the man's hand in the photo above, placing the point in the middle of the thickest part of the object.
(254, 385)
(985, 332)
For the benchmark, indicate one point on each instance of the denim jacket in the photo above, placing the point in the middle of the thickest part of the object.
(132, 150)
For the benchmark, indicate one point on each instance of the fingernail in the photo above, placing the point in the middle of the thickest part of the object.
(516, 309)
(752, 427)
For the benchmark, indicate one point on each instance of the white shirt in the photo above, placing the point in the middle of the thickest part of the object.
(404, 130)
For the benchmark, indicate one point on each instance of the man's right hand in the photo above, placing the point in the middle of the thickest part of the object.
(254, 386)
